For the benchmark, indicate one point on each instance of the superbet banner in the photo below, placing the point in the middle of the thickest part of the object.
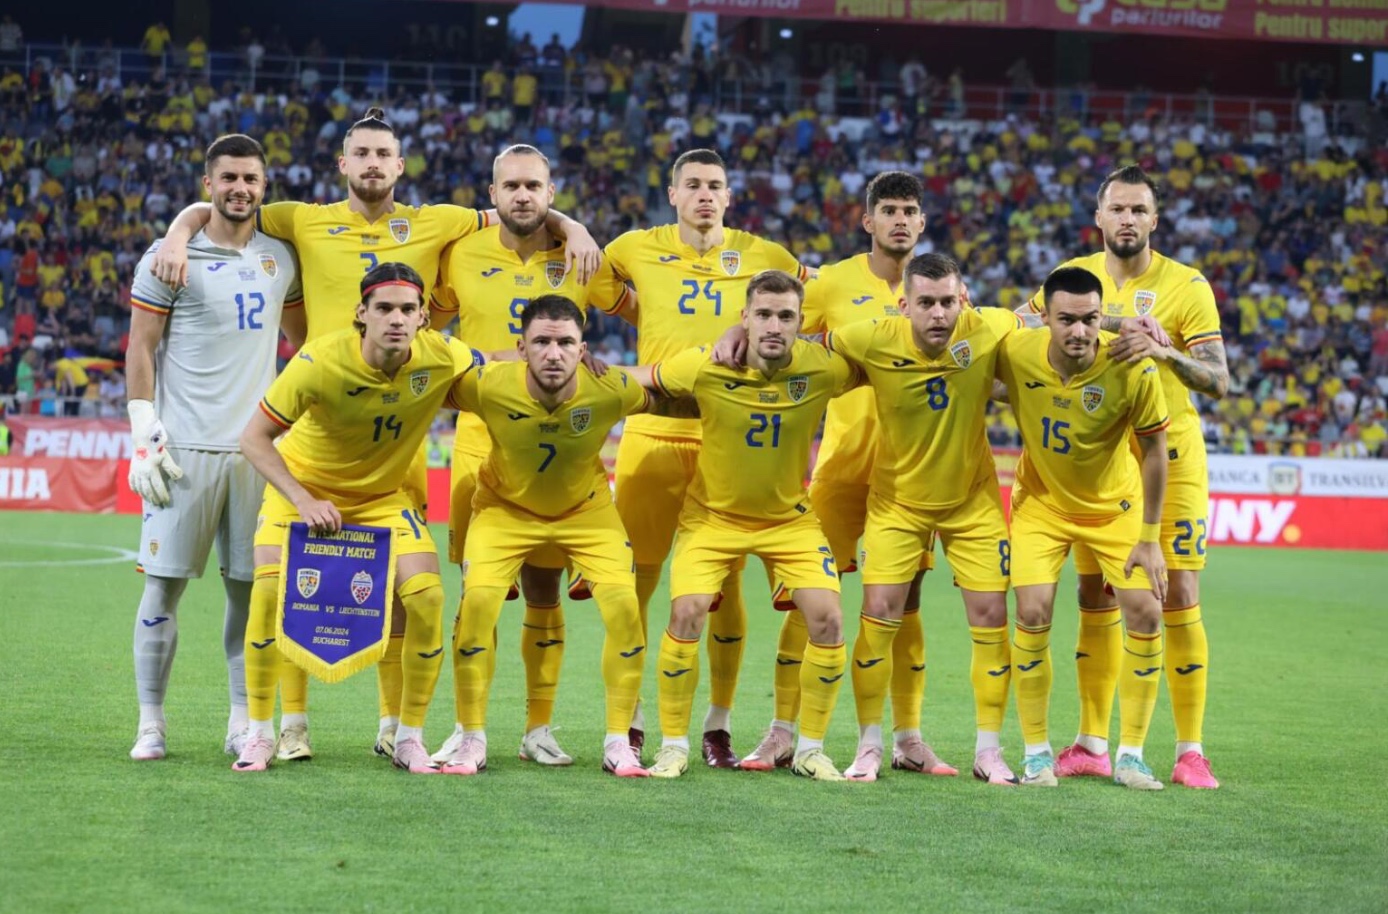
(1289, 502)
(1362, 22)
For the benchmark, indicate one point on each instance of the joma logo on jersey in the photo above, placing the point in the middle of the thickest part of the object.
(861, 299)
(307, 582)
(963, 355)
(419, 382)
(267, 263)
(1144, 301)
(400, 230)
(797, 387)
(580, 418)
(554, 273)
(1092, 397)
(490, 272)
(731, 261)
(361, 587)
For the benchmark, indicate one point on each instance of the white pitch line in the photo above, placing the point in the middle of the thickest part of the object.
(117, 555)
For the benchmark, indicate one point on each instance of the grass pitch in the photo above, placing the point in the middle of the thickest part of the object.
(1295, 729)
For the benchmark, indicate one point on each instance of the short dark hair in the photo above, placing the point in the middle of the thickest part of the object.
(1128, 174)
(235, 145)
(696, 157)
(894, 185)
(551, 308)
(390, 272)
(375, 119)
(775, 282)
(1074, 280)
(519, 149)
(932, 266)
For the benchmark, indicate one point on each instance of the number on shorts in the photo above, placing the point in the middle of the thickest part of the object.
(1181, 545)
(1005, 557)
(414, 520)
(828, 561)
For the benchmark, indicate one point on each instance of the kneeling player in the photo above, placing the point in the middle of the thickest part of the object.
(1078, 484)
(748, 498)
(543, 489)
(359, 418)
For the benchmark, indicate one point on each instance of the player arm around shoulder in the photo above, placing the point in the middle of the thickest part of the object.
(170, 263)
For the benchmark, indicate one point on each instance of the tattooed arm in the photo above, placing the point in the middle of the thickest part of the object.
(1205, 370)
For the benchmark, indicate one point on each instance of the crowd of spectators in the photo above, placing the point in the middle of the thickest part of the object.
(1291, 237)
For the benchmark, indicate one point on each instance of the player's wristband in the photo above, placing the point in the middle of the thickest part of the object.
(1151, 533)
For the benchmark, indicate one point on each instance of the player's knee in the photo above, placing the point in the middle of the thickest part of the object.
(420, 598)
(687, 615)
(540, 585)
(1033, 613)
(1092, 594)
(986, 609)
(1141, 611)
(826, 627)
(885, 602)
(1182, 588)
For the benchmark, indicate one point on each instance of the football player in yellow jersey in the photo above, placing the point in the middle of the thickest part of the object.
(360, 403)
(691, 278)
(485, 281)
(860, 288)
(336, 244)
(1077, 483)
(542, 489)
(931, 372)
(748, 497)
(1142, 287)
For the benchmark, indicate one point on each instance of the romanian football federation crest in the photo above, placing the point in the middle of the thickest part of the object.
(1092, 397)
(361, 587)
(797, 387)
(267, 263)
(732, 262)
(554, 273)
(963, 355)
(400, 230)
(419, 382)
(580, 418)
(307, 582)
(153, 547)
(1144, 301)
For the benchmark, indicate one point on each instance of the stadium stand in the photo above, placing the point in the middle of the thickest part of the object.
(1281, 203)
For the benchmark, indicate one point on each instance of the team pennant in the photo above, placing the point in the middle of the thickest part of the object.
(335, 593)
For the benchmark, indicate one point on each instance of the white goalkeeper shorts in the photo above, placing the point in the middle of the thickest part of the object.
(217, 500)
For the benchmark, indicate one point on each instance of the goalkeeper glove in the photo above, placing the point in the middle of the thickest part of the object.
(150, 461)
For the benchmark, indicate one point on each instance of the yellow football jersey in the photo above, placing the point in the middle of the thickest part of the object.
(546, 463)
(486, 285)
(844, 293)
(1183, 303)
(1075, 436)
(756, 430)
(932, 449)
(337, 246)
(684, 299)
(356, 431)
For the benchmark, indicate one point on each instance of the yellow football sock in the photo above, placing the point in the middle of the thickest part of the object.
(908, 672)
(1187, 670)
(262, 654)
(474, 639)
(678, 664)
(821, 676)
(790, 654)
(647, 580)
(623, 652)
(990, 672)
(872, 667)
(1138, 684)
(389, 678)
(1032, 675)
(422, 654)
(1098, 656)
(293, 686)
(542, 650)
(727, 636)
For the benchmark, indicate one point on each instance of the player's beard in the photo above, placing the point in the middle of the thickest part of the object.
(222, 208)
(548, 386)
(366, 194)
(524, 228)
(1123, 249)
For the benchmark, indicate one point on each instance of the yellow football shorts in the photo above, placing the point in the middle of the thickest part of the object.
(416, 486)
(974, 534)
(709, 548)
(1184, 517)
(1041, 538)
(463, 481)
(652, 476)
(500, 538)
(395, 511)
(842, 511)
